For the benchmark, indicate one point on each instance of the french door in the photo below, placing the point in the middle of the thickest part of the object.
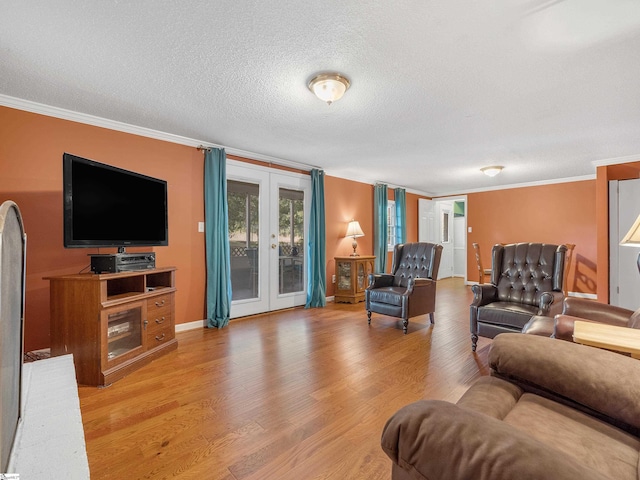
(268, 224)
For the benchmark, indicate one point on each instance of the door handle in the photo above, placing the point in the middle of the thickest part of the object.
(273, 245)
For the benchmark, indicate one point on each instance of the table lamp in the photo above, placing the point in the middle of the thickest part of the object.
(354, 231)
(632, 238)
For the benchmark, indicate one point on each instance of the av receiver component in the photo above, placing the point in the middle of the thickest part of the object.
(122, 262)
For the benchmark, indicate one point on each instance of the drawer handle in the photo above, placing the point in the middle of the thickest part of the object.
(159, 304)
(160, 338)
(160, 320)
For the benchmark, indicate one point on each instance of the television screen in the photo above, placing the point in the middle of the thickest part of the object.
(106, 206)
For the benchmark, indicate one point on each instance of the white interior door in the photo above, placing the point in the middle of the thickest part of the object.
(624, 278)
(268, 224)
(454, 253)
(445, 216)
(427, 221)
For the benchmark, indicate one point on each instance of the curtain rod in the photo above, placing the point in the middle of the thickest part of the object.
(389, 185)
(203, 148)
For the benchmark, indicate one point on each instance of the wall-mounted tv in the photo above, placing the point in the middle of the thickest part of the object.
(106, 206)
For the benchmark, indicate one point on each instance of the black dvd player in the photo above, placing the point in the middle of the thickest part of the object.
(122, 262)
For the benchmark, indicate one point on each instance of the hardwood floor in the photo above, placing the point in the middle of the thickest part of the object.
(296, 394)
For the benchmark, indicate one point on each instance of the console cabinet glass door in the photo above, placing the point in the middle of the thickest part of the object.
(122, 332)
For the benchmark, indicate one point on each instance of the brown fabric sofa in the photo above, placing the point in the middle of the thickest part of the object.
(549, 410)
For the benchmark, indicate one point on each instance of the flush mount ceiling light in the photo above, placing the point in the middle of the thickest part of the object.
(492, 171)
(329, 87)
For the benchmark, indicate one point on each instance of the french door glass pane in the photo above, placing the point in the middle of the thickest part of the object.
(291, 240)
(244, 237)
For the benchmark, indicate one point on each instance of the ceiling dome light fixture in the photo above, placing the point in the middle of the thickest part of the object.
(329, 87)
(492, 171)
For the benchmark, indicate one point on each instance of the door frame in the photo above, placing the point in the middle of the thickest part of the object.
(429, 226)
(624, 280)
(270, 180)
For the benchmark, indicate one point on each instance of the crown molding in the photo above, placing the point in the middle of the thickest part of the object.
(616, 160)
(367, 182)
(50, 111)
(64, 114)
(521, 185)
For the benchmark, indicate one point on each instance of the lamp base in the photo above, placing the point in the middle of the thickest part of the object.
(354, 244)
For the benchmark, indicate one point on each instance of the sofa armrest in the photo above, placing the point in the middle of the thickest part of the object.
(437, 440)
(550, 304)
(377, 280)
(596, 311)
(484, 294)
(598, 381)
(419, 285)
(563, 326)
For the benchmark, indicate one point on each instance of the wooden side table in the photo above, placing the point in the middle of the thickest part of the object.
(352, 275)
(610, 337)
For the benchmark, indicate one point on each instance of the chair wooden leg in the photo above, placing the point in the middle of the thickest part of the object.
(369, 317)
(405, 324)
(474, 342)
(432, 318)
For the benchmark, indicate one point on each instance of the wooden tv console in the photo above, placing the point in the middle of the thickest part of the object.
(112, 323)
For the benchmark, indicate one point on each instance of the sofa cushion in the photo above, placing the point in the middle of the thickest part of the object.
(507, 314)
(388, 295)
(592, 378)
(591, 442)
(431, 439)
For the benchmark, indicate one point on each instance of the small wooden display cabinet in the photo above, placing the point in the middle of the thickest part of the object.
(352, 275)
(112, 323)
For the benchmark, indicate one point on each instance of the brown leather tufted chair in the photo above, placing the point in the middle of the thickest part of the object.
(526, 280)
(410, 289)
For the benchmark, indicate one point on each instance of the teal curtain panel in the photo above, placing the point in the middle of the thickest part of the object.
(217, 238)
(380, 225)
(401, 215)
(317, 275)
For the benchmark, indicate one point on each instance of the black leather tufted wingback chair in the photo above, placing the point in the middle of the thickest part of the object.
(410, 289)
(526, 280)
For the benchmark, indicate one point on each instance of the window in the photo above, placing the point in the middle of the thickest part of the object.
(445, 227)
(391, 224)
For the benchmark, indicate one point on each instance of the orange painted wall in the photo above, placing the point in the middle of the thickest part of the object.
(31, 149)
(346, 200)
(558, 213)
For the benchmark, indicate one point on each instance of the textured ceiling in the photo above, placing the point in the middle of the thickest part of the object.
(438, 88)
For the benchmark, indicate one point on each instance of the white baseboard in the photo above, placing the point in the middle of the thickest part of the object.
(591, 296)
(183, 327)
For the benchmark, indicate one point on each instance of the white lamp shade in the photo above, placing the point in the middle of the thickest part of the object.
(632, 238)
(329, 87)
(354, 230)
(491, 171)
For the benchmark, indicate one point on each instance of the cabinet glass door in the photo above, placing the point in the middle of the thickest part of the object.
(124, 331)
(344, 276)
(361, 276)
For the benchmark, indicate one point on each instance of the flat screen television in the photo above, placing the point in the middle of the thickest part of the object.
(106, 206)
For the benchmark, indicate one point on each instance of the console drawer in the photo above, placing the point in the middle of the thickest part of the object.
(158, 336)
